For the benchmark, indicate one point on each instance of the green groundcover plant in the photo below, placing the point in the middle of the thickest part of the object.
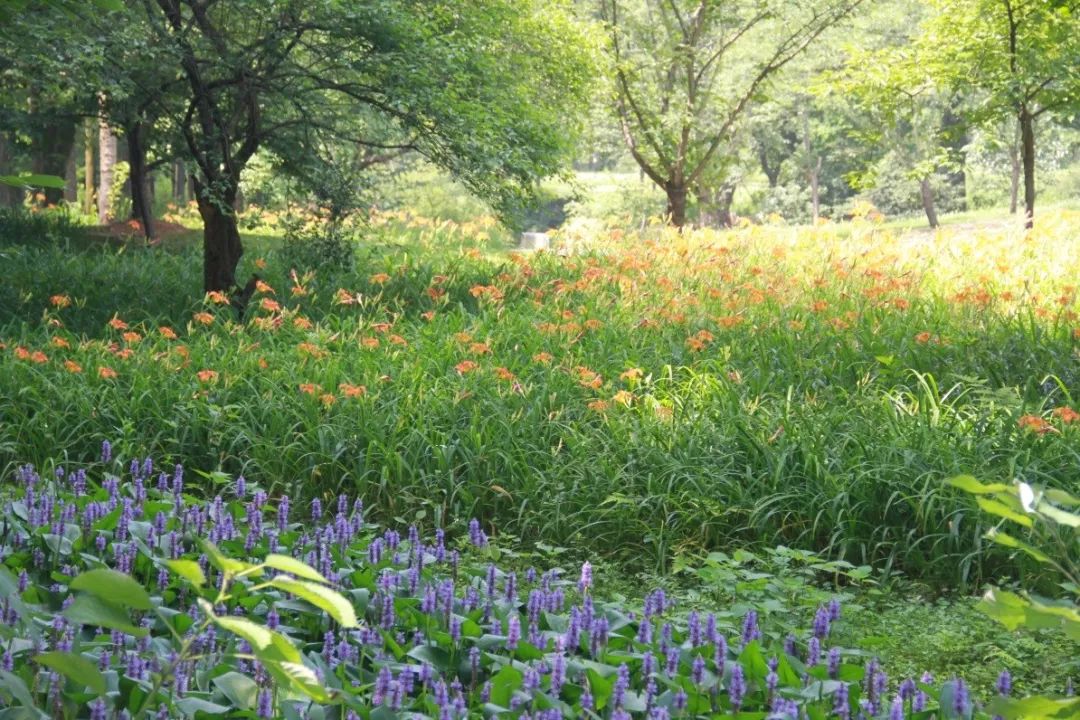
(124, 595)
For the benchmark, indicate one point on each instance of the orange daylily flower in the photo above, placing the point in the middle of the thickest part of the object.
(60, 301)
(1066, 414)
(203, 317)
(632, 374)
(106, 373)
(167, 332)
(542, 357)
(217, 297)
(207, 376)
(60, 342)
(1035, 424)
(39, 357)
(310, 388)
(352, 390)
(117, 324)
(72, 367)
(379, 278)
(263, 287)
(132, 337)
(270, 305)
(465, 366)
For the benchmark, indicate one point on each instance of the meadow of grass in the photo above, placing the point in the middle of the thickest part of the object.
(652, 395)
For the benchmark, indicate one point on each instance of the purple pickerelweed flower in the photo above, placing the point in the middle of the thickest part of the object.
(772, 681)
(585, 582)
(316, 509)
(813, 652)
(622, 684)
(737, 687)
(834, 663)
(841, 704)
(896, 710)
(98, 709)
(907, 689)
(789, 645)
(961, 699)
(821, 623)
(750, 631)
(834, 610)
(476, 534)
(106, 451)
(693, 629)
(1004, 684)
(918, 703)
(697, 670)
(513, 632)
(720, 655)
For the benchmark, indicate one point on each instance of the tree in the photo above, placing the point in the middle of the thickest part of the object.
(687, 72)
(1020, 56)
(488, 89)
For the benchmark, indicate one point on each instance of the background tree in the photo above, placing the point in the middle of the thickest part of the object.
(687, 72)
(487, 90)
(1019, 56)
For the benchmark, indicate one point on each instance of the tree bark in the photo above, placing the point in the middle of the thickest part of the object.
(106, 160)
(88, 172)
(222, 248)
(140, 200)
(71, 176)
(714, 206)
(676, 208)
(180, 183)
(1027, 155)
(813, 168)
(927, 193)
(9, 196)
(52, 148)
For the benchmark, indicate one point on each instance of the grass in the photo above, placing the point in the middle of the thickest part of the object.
(658, 396)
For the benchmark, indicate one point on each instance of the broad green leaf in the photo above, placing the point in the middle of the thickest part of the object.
(1061, 517)
(1007, 608)
(967, 483)
(322, 597)
(15, 685)
(189, 570)
(1060, 497)
(95, 612)
(1009, 541)
(300, 678)
(996, 507)
(294, 567)
(240, 689)
(192, 705)
(504, 683)
(265, 643)
(114, 587)
(226, 564)
(33, 180)
(1035, 707)
(433, 656)
(76, 667)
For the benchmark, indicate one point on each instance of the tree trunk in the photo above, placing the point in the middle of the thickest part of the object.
(813, 168)
(52, 148)
(221, 241)
(71, 176)
(140, 201)
(180, 183)
(714, 206)
(88, 162)
(106, 160)
(9, 196)
(927, 193)
(676, 208)
(1027, 154)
